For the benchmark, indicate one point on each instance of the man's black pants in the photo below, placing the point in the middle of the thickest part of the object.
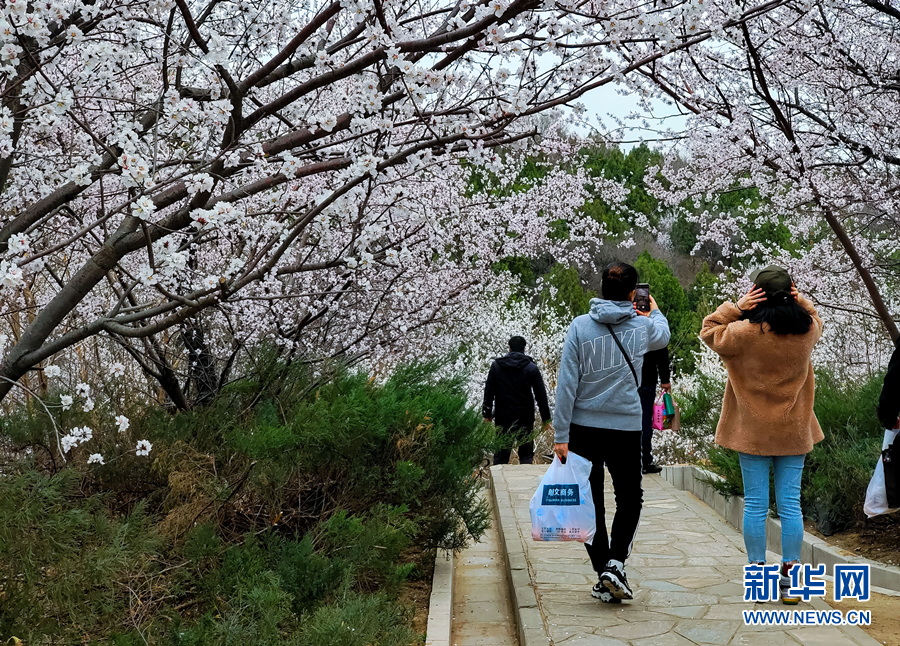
(648, 398)
(520, 429)
(621, 452)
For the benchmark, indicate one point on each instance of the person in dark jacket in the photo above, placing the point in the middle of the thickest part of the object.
(656, 363)
(889, 402)
(508, 399)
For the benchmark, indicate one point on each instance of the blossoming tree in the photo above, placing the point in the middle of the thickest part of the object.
(184, 178)
(802, 106)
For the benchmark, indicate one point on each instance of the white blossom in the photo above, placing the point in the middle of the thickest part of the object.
(62, 102)
(219, 50)
(143, 208)
(9, 53)
(79, 174)
(77, 436)
(327, 121)
(11, 276)
(147, 276)
(209, 282)
(19, 243)
(73, 34)
(199, 183)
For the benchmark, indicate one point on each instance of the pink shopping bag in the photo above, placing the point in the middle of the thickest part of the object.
(659, 413)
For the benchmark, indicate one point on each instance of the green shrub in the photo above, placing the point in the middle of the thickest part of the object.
(60, 555)
(369, 546)
(702, 405)
(727, 464)
(839, 468)
(701, 408)
(359, 621)
(287, 506)
(569, 298)
(309, 577)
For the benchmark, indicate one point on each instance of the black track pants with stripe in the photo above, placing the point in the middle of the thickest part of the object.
(620, 451)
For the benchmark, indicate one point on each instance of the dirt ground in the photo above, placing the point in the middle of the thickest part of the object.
(885, 611)
(416, 594)
(876, 538)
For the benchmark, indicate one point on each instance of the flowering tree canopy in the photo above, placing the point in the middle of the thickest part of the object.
(801, 105)
(290, 170)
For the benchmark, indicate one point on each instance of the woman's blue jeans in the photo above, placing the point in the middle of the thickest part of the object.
(788, 470)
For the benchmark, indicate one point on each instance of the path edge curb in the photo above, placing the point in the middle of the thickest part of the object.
(814, 550)
(440, 606)
(530, 625)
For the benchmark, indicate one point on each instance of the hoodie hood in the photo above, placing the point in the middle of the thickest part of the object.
(604, 311)
(515, 360)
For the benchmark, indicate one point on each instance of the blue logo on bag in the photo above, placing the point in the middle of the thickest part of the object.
(561, 495)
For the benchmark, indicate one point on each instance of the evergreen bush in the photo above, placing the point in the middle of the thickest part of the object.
(285, 512)
(839, 468)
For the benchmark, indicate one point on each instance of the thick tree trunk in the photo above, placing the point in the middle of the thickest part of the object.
(201, 363)
(880, 307)
(15, 365)
(162, 373)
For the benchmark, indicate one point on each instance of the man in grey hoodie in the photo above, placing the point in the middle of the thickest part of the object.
(598, 413)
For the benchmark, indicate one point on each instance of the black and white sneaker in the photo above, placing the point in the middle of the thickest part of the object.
(613, 579)
(600, 592)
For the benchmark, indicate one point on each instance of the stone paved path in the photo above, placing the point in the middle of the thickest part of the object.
(686, 569)
(482, 610)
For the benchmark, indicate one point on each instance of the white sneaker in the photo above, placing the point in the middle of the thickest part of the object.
(613, 579)
(600, 592)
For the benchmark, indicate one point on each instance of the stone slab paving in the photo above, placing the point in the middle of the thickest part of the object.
(482, 609)
(686, 569)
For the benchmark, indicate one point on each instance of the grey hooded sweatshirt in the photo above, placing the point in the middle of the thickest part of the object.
(595, 385)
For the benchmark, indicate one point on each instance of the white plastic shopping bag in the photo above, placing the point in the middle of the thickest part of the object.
(562, 508)
(876, 493)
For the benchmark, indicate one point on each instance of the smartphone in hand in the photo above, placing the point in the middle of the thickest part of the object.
(642, 297)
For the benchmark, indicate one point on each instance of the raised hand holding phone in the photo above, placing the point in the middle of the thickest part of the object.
(642, 297)
(653, 306)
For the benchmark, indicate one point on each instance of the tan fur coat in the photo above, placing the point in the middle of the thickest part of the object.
(768, 405)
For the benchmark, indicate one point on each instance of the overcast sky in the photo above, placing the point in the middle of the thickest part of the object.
(606, 100)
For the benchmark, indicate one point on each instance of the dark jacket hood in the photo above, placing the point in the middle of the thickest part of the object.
(515, 360)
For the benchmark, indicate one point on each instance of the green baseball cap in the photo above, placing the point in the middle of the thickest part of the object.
(772, 279)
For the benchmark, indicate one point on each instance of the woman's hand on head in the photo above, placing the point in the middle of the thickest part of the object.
(751, 299)
(794, 292)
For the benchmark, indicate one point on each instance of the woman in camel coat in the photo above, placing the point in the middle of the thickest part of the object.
(766, 341)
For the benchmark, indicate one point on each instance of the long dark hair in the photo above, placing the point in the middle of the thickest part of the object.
(783, 314)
